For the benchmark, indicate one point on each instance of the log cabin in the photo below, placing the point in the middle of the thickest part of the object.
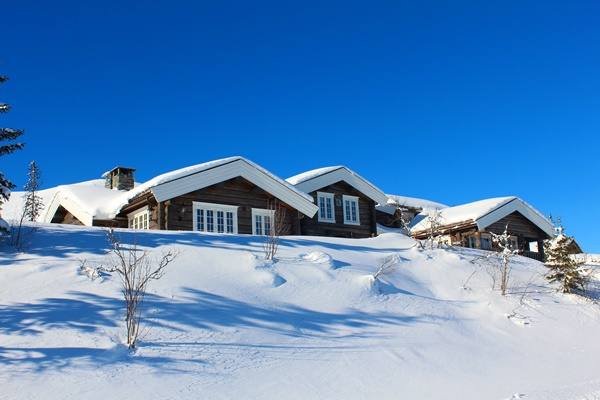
(230, 195)
(470, 225)
(346, 202)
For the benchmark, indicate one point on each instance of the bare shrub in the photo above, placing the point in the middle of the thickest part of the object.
(136, 268)
(434, 233)
(387, 266)
(274, 227)
(498, 264)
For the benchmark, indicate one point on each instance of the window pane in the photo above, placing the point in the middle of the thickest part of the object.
(267, 225)
(354, 214)
(258, 224)
(347, 208)
(210, 223)
(329, 207)
(200, 220)
(220, 222)
(322, 213)
(229, 222)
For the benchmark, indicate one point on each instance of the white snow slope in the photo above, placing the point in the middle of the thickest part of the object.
(222, 324)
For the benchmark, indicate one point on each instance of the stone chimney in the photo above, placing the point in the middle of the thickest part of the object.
(120, 178)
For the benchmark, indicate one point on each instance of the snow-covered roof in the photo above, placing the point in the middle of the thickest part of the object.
(187, 179)
(484, 213)
(404, 201)
(85, 200)
(91, 200)
(313, 173)
(315, 179)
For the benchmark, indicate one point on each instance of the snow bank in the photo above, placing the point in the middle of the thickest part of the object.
(223, 323)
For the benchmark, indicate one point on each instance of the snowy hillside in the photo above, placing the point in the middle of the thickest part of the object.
(224, 324)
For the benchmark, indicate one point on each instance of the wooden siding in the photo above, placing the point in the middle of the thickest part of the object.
(519, 226)
(62, 216)
(366, 206)
(142, 200)
(176, 213)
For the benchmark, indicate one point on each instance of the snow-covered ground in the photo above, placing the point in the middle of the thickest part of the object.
(223, 324)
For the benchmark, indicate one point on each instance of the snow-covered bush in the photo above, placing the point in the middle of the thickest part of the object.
(92, 272)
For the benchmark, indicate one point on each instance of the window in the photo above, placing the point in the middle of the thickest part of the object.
(218, 218)
(326, 210)
(139, 219)
(351, 210)
(486, 242)
(262, 221)
(534, 247)
(472, 242)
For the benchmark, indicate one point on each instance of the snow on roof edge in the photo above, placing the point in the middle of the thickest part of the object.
(108, 208)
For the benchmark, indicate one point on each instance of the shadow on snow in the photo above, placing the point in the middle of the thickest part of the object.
(196, 309)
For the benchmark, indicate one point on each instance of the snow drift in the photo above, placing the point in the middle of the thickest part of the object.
(223, 323)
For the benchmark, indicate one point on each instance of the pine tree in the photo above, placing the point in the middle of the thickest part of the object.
(7, 135)
(33, 201)
(563, 268)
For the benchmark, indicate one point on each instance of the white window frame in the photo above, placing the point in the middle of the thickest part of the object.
(262, 212)
(215, 208)
(347, 218)
(139, 219)
(326, 196)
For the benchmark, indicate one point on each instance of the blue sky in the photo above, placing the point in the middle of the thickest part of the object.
(450, 101)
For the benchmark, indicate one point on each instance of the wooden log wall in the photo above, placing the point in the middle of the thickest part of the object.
(367, 216)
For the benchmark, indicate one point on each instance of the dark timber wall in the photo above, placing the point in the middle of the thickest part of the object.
(519, 226)
(366, 206)
(177, 213)
(62, 216)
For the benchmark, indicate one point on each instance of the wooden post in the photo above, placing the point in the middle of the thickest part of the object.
(541, 249)
(297, 227)
(159, 216)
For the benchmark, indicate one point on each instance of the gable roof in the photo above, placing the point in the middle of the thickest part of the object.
(186, 180)
(315, 179)
(90, 200)
(483, 213)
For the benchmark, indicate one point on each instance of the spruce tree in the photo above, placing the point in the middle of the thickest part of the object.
(562, 267)
(33, 202)
(9, 135)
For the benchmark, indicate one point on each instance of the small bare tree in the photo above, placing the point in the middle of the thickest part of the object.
(388, 265)
(136, 268)
(275, 226)
(501, 271)
(507, 252)
(434, 224)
